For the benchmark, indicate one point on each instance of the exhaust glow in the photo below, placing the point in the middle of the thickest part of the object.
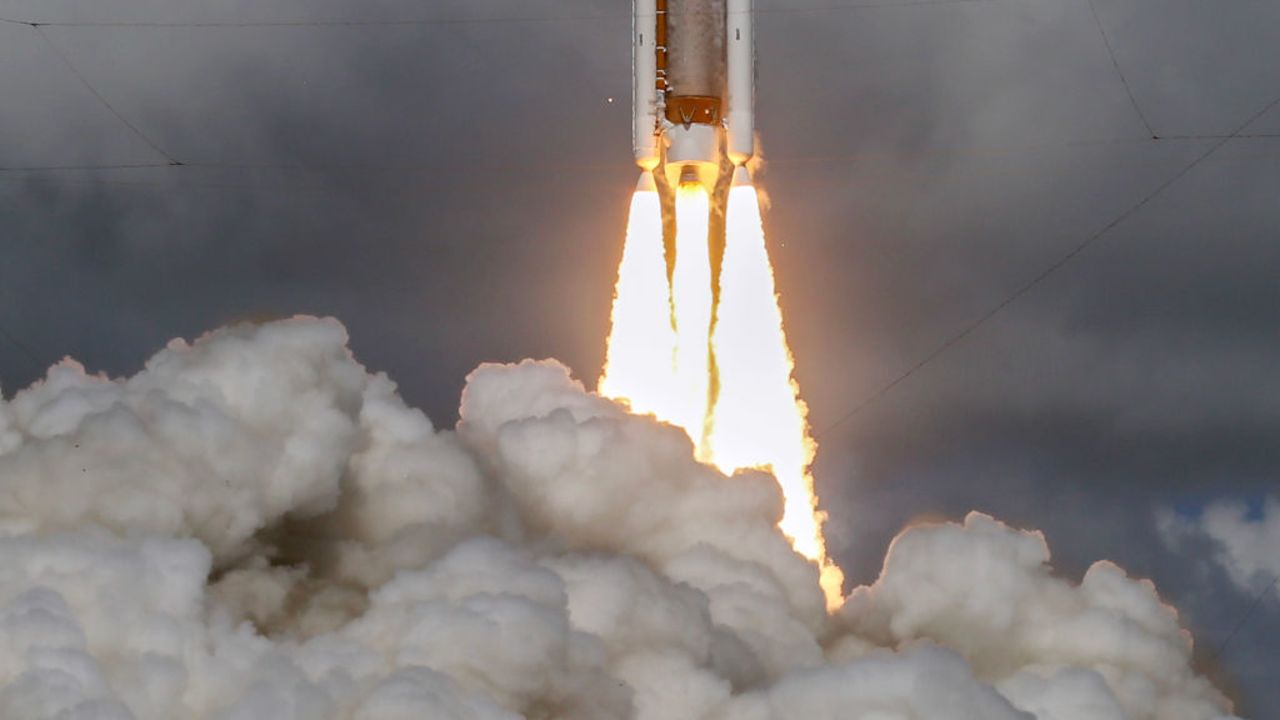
(721, 372)
(642, 344)
(759, 420)
(692, 300)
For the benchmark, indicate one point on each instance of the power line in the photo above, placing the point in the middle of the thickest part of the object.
(411, 22)
(304, 167)
(1133, 100)
(231, 24)
(821, 158)
(105, 103)
(88, 168)
(1045, 274)
(1244, 619)
(865, 6)
(357, 169)
(97, 181)
(1242, 136)
(371, 168)
(404, 168)
(23, 349)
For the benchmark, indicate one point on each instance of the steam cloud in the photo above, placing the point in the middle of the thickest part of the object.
(255, 527)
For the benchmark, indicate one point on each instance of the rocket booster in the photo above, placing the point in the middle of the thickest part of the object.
(694, 71)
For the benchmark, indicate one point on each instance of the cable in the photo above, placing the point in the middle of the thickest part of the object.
(1217, 653)
(1045, 274)
(105, 103)
(406, 168)
(26, 351)
(408, 22)
(456, 165)
(1133, 100)
(865, 6)
(299, 167)
(96, 182)
(218, 25)
(88, 168)
(1242, 136)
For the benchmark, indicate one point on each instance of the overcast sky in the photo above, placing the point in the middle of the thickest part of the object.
(456, 193)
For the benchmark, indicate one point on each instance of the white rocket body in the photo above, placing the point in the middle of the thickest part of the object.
(644, 72)
(694, 94)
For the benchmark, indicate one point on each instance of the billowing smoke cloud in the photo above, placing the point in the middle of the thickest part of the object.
(1247, 543)
(255, 527)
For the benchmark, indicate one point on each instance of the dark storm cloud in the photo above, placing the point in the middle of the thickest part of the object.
(455, 193)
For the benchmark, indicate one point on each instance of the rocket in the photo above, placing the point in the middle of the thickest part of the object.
(694, 74)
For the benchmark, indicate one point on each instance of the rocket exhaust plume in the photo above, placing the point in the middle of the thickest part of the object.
(255, 527)
(641, 350)
(691, 300)
(729, 381)
(759, 420)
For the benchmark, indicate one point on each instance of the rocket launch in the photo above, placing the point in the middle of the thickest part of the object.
(694, 90)
(258, 526)
(697, 338)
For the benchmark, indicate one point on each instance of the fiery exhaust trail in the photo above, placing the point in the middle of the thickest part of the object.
(692, 300)
(729, 384)
(642, 342)
(759, 420)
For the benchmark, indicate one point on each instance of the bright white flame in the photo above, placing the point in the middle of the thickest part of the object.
(692, 299)
(730, 386)
(759, 420)
(642, 343)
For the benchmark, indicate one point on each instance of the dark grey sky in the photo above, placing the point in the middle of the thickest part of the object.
(456, 193)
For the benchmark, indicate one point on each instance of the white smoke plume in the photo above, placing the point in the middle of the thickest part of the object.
(256, 528)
